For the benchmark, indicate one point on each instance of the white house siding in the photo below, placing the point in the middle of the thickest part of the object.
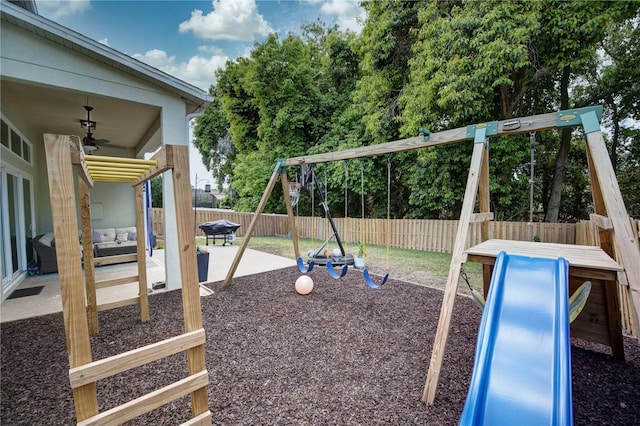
(34, 60)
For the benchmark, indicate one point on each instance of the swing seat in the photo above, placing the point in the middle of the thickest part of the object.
(369, 281)
(333, 272)
(304, 269)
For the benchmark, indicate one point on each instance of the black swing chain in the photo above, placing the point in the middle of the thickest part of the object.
(464, 276)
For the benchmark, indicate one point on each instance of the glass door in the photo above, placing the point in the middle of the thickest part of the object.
(16, 224)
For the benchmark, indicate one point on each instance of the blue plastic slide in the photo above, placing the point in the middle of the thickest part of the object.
(522, 368)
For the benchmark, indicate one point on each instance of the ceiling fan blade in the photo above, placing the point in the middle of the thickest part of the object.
(110, 145)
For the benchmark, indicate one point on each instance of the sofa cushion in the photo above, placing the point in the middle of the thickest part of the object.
(107, 235)
(128, 230)
(111, 244)
(47, 239)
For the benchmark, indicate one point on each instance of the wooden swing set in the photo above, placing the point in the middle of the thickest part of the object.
(63, 153)
(600, 318)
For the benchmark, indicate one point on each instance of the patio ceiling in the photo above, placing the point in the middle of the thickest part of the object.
(48, 110)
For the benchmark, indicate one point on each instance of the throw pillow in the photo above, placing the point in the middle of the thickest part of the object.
(121, 237)
(95, 237)
(132, 236)
(46, 239)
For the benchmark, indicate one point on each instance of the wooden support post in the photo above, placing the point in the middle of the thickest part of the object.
(65, 228)
(141, 251)
(485, 207)
(604, 236)
(189, 271)
(87, 254)
(602, 222)
(252, 224)
(623, 238)
(292, 219)
(484, 195)
(457, 259)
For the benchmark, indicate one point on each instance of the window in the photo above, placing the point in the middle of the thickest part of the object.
(11, 139)
(16, 143)
(4, 133)
(26, 151)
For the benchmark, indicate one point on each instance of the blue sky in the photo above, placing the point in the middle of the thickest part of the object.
(191, 39)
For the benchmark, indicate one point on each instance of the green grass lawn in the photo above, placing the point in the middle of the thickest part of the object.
(420, 267)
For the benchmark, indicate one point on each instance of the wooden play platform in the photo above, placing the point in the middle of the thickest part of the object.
(599, 320)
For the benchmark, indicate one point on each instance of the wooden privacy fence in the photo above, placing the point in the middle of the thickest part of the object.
(414, 234)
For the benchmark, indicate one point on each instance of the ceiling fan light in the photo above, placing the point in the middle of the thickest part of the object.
(90, 146)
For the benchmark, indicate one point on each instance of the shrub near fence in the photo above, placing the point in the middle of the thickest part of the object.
(414, 234)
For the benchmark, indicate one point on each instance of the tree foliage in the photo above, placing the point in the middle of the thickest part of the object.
(156, 192)
(437, 65)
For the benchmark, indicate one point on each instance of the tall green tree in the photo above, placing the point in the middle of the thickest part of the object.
(572, 33)
(385, 48)
(212, 138)
(477, 61)
(279, 102)
(617, 87)
(156, 192)
(471, 64)
(437, 65)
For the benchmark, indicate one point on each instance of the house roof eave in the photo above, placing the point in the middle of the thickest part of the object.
(70, 39)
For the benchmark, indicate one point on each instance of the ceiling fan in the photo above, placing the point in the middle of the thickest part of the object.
(89, 143)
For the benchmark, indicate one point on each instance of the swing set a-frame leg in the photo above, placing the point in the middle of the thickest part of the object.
(279, 171)
(252, 225)
(608, 202)
(457, 259)
(292, 220)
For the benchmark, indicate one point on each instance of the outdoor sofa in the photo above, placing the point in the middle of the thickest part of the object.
(106, 242)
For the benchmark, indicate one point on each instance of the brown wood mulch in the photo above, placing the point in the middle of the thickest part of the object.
(345, 354)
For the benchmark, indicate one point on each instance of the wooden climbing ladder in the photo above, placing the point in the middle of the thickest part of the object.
(80, 314)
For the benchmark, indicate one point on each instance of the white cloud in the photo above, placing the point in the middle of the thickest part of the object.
(56, 9)
(236, 20)
(199, 71)
(347, 13)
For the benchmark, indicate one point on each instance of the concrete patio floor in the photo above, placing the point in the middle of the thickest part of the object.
(220, 258)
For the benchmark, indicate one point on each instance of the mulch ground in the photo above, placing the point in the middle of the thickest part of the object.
(344, 354)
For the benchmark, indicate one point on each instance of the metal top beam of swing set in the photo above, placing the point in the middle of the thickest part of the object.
(534, 123)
